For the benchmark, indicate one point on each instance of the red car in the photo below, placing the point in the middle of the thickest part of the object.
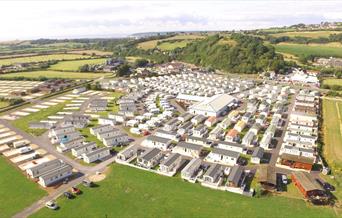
(145, 133)
(75, 190)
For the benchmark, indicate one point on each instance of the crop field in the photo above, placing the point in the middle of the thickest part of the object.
(16, 191)
(42, 58)
(332, 82)
(321, 50)
(75, 65)
(332, 130)
(311, 34)
(129, 192)
(55, 74)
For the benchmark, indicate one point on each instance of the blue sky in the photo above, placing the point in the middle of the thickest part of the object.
(72, 19)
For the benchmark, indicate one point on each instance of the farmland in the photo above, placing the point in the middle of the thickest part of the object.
(55, 74)
(332, 127)
(170, 43)
(332, 82)
(75, 65)
(16, 191)
(126, 191)
(309, 34)
(42, 58)
(320, 50)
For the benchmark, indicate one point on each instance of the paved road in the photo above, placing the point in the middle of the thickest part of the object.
(276, 150)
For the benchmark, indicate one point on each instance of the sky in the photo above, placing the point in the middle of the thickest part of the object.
(79, 19)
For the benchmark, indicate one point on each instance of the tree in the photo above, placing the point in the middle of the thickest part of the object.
(84, 68)
(123, 70)
(141, 62)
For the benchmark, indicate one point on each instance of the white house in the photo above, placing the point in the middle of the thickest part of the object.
(55, 175)
(95, 155)
(115, 140)
(188, 149)
(85, 148)
(157, 142)
(227, 157)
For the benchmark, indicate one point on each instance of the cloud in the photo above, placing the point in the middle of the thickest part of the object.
(62, 19)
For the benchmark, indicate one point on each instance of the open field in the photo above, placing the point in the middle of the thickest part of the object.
(332, 82)
(168, 46)
(129, 192)
(4, 104)
(90, 52)
(23, 122)
(311, 34)
(55, 74)
(321, 50)
(332, 130)
(75, 65)
(41, 58)
(183, 40)
(132, 59)
(16, 191)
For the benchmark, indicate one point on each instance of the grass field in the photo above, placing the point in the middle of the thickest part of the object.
(41, 58)
(55, 74)
(168, 46)
(322, 50)
(90, 52)
(4, 104)
(16, 191)
(332, 130)
(129, 192)
(23, 122)
(184, 39)
(311, 34)
(332, 82)
(75, 65)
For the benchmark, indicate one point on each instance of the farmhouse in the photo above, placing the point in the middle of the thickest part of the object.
(95, 155)
(150, 158)
(213, 106)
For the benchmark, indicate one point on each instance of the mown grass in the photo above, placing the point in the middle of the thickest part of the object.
(75, 65)
(41, 58)
(23, 122)
(320, 50)
(55, 74)
(332, 124)
(332, 82)
(168, 46)
(4, 104)
(309, 34)
(16, 191)
(129, 192)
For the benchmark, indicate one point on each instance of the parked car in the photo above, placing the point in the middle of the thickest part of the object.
(326, 185)
(284, 179)
(75, 190)
(68, 195)
(88, 183)
(51, 205)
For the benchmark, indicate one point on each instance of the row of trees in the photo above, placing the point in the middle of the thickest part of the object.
(304, 40)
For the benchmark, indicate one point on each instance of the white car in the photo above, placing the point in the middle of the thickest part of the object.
(51, 205)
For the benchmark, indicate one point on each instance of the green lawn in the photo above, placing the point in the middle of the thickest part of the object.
(320, 50)
(55, 74)
(23, 122)
(332, 82)
(41, 58)
(129, 192)
(16, 191)
(4, 104)
(75, 65)
(89, 137)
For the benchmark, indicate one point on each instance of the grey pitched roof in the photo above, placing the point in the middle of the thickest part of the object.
(213, 170)
(258, 152)
(226, 152)
(190, 146)
(171, 159)
(158, 139)
(150, 154)
(235, 174)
